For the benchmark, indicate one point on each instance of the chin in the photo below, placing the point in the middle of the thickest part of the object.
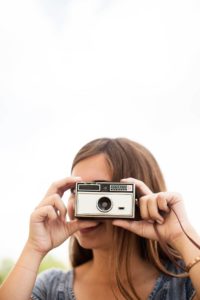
(92, 243)
(96, 237)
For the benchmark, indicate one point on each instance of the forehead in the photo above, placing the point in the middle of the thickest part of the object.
(93, 168)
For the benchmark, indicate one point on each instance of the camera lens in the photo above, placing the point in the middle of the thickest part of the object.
(104, 204)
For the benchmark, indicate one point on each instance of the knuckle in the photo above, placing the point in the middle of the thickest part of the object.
(140, 183)
(177, 195)
(49, 208)
(160, 197)
(54, 185)
(151, 200)
(143, 200)
(55, 197)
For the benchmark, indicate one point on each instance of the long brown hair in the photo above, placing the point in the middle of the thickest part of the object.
(126, 158)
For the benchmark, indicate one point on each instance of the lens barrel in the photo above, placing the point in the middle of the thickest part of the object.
(104, 204)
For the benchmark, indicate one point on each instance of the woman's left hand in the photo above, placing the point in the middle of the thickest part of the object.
(160, 210)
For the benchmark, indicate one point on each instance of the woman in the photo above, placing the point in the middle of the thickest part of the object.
(144, 258)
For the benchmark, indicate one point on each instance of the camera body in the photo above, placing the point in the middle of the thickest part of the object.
(105, 200)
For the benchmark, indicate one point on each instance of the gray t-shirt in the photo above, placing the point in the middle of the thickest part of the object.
(58, 285)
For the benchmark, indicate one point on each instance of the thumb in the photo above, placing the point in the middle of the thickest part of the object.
(75, 225)
(141, 228)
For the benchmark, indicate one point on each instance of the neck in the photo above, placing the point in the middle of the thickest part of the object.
(101, 266)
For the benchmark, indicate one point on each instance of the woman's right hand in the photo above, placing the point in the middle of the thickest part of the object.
(48, 225)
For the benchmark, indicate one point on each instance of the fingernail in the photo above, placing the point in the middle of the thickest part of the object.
(150, 221)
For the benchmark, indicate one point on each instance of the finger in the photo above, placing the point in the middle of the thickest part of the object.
(152, 207)
(75, 225)
(59, 187)
(56, 202)
(171, 198)
(162, 202)
(140, 185)
(42, 213)
(143, 208)
(70, 208)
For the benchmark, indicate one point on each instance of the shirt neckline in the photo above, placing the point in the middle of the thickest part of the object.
(158, 283)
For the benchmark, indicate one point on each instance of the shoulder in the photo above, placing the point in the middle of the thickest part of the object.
(50, 282)
(170, 287)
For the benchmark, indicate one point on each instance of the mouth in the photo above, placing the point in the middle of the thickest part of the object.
(91, 229)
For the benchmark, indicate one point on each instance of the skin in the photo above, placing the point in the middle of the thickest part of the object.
(49, 229)
(88, 284)
(152, 208)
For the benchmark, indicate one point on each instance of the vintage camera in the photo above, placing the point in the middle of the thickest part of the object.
(105, 200)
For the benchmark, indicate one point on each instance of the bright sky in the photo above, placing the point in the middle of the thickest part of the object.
(71, 71)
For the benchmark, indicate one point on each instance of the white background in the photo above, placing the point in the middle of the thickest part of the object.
(71, 71)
